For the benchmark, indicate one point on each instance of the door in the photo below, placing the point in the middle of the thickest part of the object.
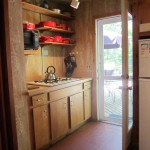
(76, 109)
(41, 126)
(114, 73)
(110, 70)
(59, 118)
(87, 104)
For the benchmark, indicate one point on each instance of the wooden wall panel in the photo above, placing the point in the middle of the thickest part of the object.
(85, 51)
(17, 73)
(31, 16)
(144, 11)
(105, 7)
(36, 65)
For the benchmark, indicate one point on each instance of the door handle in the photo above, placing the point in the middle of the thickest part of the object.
(126, 76)
(128, 88)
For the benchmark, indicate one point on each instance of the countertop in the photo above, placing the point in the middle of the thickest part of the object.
(43, 89)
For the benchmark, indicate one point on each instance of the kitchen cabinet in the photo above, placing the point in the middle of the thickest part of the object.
(87, 100)
(41, 126)
(58, 111)
(87, 104)
(59, 118)
(41, 120)
(76, 109)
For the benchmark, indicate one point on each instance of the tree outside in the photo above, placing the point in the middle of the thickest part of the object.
(113, 57)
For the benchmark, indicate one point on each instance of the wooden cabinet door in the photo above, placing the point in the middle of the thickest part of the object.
(87, 104)
(76, 109)
(59, 118)
(41, 126)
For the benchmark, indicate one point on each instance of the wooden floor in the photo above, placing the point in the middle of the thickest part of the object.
(92, 136)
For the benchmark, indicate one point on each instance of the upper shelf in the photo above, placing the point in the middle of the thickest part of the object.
(44, 11)
(55, 30)
(56, 43)
(144, 34)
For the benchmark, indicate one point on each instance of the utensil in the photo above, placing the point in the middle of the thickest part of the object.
(57, 11)
(64, 26)
(50, 74)
(58, 39)
(47, 23)
(29, 26)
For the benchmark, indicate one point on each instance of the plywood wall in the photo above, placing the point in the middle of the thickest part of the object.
(36, 65)
(85, 50)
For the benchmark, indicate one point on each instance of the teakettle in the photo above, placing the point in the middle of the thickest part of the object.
(50, 73)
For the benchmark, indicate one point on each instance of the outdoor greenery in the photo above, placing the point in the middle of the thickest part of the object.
(113, 57)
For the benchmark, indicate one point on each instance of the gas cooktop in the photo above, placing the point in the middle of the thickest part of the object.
(58, 81)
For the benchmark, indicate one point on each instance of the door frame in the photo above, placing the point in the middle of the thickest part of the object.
(7, 107)
(100, 63)
(126, 139)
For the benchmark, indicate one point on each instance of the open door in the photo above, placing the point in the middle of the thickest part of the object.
(126, 77)
(114, 73)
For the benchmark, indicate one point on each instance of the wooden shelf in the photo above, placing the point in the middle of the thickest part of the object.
(54, 30)
(32, 52)
(144, 34)
(55, 43)
(44, 11)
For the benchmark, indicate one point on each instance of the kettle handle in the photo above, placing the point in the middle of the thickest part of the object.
(50, 67)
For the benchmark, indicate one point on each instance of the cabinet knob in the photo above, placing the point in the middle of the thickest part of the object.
(40, 99)
(44, 113)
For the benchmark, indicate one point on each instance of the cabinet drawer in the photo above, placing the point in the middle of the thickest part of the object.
(39, 99)
(65, 92)
(87, 85)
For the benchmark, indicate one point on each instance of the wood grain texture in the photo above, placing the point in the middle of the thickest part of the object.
(143, 11)
(135, 132)
(87, 104)
(36, 65)
(18, 73)
(41, 126)
(59, 118)
(85, 49)
(76, 109)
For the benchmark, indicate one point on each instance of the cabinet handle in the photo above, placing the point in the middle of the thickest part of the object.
(40, 99)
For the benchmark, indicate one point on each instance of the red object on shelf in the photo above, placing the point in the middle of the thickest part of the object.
(29, 26)
(46, 39)
(63, 26)
(66, 40)
(47, 23)
(58, 39)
